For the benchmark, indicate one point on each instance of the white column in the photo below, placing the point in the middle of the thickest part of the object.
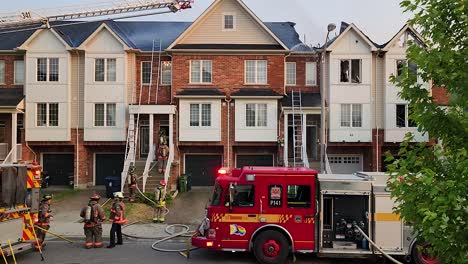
(151, 132)
(14, 135)
(304, 129)
(171, 128)
(285, 148)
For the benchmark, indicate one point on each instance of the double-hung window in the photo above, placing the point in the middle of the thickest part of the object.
(351, 115)
(200, 115)
(256, 72)
(47, 114)
(200, 71)
(145, 72)
(166, 73)
(19, 72)
(229, 22)
(350, 71)
(403, 116)
(105, 70)
(47, 70)
(2, 71)
(104, 115)
(256, 115)
(311, 73)
(290, 73)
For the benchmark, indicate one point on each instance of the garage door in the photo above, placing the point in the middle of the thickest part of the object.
(59, 167)
(345, 163)
(254, 160)
(203, 168)
(108, 165)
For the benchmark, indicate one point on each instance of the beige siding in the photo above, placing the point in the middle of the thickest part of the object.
(210, 29)
(379, 92)
(131, 76)
(77, 90)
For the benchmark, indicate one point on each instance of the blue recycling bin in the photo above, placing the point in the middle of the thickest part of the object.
(113, 185)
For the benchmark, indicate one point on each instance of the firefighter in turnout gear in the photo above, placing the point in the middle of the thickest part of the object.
(117, 217)
(160, 197)
(43, 221)
(133, 183)
(163, 151)
(93, 216)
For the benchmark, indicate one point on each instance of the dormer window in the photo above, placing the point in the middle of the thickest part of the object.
(229, 22)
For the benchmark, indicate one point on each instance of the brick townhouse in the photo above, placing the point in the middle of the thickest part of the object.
(219, 87)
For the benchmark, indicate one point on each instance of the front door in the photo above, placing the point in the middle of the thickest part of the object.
(144, 140)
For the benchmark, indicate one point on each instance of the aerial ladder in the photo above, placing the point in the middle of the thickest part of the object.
(42, 18)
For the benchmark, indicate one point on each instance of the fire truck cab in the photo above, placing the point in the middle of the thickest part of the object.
(273, 211)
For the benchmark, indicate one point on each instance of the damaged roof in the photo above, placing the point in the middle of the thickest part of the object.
(136, 34)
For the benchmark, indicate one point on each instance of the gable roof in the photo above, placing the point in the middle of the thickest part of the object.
(211, 8)
(406, 27)
(114, 31)
(344, 28)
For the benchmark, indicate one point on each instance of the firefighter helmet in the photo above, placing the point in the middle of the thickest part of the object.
(46, 197)
(95, 197)
(162, 182)
(118, 195)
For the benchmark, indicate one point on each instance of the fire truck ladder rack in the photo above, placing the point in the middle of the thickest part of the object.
(299, 148)
(28, 17)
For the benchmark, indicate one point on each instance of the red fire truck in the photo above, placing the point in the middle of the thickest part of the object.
(273, 211)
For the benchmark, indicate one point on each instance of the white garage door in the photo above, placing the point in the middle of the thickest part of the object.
(345, 163)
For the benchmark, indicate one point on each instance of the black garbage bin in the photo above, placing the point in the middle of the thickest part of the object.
(113, 185)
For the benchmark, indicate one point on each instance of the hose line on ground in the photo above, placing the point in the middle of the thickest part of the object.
(377, 247)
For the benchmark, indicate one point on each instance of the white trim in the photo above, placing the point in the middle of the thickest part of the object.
(152, 109)
(286, 73)
(105, 69)
(105, 115)
(353, 27)
(398, 35)
(161, 73)
(4, 72)
(102, 26)
(141, 73)
(256, 73)
(212, 7)
(200, 118)
(47, 114)
(223, 21)
(315, 79)
(47, 70)
(24, 72)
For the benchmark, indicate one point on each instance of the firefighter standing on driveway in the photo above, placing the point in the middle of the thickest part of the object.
(133, 183)
(117, 217)
(93, 216)
(43, 220)
(160, 197)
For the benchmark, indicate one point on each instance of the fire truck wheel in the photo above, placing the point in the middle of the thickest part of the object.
(421, 255)
(271, 247)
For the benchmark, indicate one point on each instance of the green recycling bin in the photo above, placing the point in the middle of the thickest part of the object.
(183, 183)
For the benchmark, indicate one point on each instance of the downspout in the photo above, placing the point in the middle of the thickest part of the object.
(78, 122)
(228, 131)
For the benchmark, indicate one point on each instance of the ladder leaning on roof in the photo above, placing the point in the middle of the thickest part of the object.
(108, 8)
(298, 125)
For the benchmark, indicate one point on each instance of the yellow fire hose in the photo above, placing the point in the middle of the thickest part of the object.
(12, 252)
(39, 246)
(59, 236)
(108, 199)
(3, 255)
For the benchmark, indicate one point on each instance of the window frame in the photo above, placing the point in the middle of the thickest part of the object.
(3, 73)
(256, 114)
(47, 115)
(256, 82)
(106, 70)
(105, 115)
(350, 116)
(170, 74)
(252, 189)
(47, 69)
(141, 74)
(350, 75)
(287, 68)
(408, 122)
(314, 73)
(200, 115)
(200, 73)
(307, 204)
(223, 21)
(15, 72)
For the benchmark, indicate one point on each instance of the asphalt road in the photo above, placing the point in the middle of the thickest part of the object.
(139, 252)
